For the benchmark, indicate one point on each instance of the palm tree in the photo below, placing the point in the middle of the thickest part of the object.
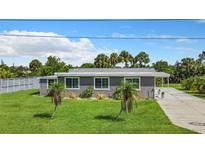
(113, 59)
(201, 58)
(102, 61)
(189, 67)
(125, 57)
(129, 94)
(56, 90)
(142, 58)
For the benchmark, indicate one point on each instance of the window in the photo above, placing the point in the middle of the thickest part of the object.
(50, 81)
(135, 81)
(101, 83)
(72, 83)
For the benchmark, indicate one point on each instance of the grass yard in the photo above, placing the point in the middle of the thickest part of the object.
(179, 87)
(24, 112)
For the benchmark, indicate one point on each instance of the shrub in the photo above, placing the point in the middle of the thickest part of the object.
(199, 84)
(187, 84)
(195, 84)
(100, 96)
(72, 95)
(87, 93)
(202, 89)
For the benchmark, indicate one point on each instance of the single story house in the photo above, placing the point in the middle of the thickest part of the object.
(104, 80)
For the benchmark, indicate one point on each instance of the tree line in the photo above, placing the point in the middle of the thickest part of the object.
(183, 69)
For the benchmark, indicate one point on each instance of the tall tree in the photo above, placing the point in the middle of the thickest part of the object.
(46, 70)
(186, 68)
(6, 73)
(102, 61)
(3, 65)
(142, 58)
(2, 62)
(163, 66)
(87, 65)
(20, 71)
(113, 59)
(35, 66)
(201, 58)
(54, 64)
(125, 57)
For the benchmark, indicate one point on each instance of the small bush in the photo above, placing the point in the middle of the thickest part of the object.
(199, 84)
(87, 93)
(187, 84)
(202, 89)
(100, 96)
(72, 95)
(194, 84)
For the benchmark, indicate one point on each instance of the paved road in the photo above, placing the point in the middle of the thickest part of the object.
(183, 109)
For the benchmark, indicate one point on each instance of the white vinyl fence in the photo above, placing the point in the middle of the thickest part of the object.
(15, 84)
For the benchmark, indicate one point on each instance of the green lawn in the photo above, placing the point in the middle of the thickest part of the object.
(179, 87)
(24, 112)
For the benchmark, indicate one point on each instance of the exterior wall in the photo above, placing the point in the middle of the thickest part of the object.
(114, 83)
(86, 82)
(43, 87)
(146, 86)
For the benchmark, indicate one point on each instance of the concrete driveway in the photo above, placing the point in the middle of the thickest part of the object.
(183, 109)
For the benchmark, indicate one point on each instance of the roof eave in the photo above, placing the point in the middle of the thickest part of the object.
(158, 74)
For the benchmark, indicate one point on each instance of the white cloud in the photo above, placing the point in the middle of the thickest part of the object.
(182, 49)
(182, 39)
(186, 40)
(120, 35)
(73, 52)
(116, 34)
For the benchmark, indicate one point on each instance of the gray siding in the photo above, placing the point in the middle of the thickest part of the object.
(146, 86)
(43, 87)
(86, 82)
(114, 83)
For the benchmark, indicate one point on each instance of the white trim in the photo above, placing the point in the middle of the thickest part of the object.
(101, 78)
(134, 77)
(168, 81)
(47, 77)
(72, 78)
(55, 81)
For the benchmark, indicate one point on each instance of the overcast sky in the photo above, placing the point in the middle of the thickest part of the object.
(21, 50)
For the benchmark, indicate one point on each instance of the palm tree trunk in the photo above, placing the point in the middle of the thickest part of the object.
(140, 64)
(130, 106)
(126, 64)
(54, 111)
(123, 109)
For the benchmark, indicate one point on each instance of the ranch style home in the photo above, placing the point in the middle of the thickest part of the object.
(104, 80)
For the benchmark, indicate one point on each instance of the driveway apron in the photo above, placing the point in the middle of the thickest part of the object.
(183, 109)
